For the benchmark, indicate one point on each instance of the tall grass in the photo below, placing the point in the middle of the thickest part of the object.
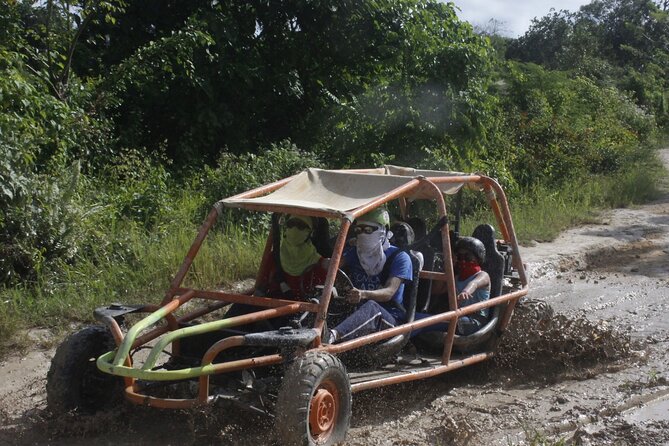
(70, 294)
(541, 214)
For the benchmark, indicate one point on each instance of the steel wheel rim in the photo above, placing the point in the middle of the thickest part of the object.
(323, 411)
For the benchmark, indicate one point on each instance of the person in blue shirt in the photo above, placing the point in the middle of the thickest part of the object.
(378, 291)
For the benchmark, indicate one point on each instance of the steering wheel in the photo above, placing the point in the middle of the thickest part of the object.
(339, 308)
(342, 285)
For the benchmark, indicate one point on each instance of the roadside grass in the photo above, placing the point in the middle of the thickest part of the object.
(56, 302)
(541, 214)
(536, 438)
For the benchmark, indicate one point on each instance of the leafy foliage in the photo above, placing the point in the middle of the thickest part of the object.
(237, 173)
(165, 77)
(41, 139)
(564, 128)
(616, 42)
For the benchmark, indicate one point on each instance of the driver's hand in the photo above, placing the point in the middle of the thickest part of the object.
(354, 296)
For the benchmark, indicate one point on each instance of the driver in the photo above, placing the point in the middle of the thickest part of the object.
(302, 268)
(378, 271)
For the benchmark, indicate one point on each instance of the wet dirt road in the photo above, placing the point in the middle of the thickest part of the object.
(585, 361)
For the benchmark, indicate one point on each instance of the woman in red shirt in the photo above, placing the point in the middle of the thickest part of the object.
(301, 269)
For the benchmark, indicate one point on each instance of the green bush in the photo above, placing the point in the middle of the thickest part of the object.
(137, 269)
(237, 173)
(562, 128)
(135, 187)
(41, 139)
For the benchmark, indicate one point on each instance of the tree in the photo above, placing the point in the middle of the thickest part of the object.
(616, 42)
(240, 76)
(544, 42)
(106, 43)
(55, 28)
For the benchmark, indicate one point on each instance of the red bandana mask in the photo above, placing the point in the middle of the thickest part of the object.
(466, 269)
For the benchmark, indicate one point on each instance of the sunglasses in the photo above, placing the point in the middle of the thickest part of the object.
(297, 223)
(364, 229)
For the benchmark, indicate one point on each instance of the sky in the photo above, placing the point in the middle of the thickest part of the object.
(515, 15)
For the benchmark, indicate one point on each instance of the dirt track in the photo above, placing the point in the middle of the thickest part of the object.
(593, 374)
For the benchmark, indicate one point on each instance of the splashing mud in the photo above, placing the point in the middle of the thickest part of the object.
(538, 340)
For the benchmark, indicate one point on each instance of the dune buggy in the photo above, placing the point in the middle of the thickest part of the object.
(186, 352)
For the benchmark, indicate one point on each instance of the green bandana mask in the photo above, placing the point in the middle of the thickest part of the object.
(295, 236)
(297, 252)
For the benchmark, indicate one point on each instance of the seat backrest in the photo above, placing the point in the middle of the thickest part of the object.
(494, 261)
(320, 237)
(418, 226)
(411, 289)
(424, 291)
(404, 238)
(403, 234)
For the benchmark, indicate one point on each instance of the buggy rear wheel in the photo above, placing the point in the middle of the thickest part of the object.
(74, 382)
(314, 403)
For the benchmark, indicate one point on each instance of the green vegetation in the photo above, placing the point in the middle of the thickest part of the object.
(137, 269)
(541, 213)
(123, 121)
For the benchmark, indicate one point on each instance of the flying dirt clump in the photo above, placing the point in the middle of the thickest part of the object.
(537, 338)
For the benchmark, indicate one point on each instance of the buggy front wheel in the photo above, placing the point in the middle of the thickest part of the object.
(74, 382)
(314, 403)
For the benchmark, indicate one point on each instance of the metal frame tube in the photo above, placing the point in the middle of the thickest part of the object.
(257, 301)
(448, 316)
(422, 374)
(335, 260)
(104, 364)
(222, 324)
(517, 261)
(190, 256)
(448, 267)
(129, 339)
(494, 205)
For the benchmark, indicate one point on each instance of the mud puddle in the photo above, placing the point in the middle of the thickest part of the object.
(655, 411)
(553, 375)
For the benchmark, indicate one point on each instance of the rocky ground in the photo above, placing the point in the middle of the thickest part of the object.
(584, 362)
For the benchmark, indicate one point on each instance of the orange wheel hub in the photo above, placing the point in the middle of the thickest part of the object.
(323, 411)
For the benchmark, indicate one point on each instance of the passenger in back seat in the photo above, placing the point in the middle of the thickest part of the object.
(403, 237)
(472, 285)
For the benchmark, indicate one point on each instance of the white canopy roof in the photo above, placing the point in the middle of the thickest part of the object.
(339, 191)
